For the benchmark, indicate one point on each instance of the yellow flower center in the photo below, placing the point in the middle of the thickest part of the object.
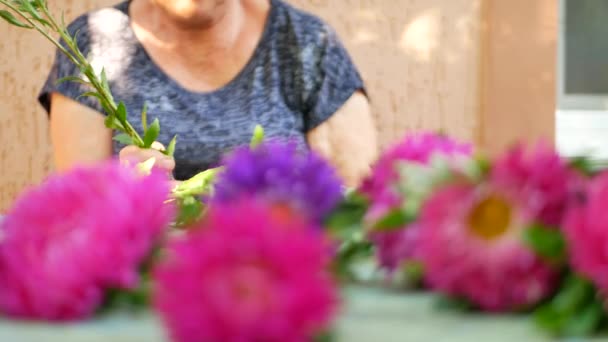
(490, 218)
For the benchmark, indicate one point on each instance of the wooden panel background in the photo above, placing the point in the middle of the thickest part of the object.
(419, 59)
(518, 70)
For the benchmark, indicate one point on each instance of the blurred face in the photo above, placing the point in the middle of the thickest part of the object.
(193, 14)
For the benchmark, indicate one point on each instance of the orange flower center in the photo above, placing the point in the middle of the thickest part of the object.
(490, 218)
(283, 213)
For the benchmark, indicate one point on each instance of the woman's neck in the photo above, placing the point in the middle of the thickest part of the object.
(220, 33)
(213, 52)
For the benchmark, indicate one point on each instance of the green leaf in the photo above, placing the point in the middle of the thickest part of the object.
(151, 134)
(190, 211)
(258, 136)
(104, 80)
(123, 138)
(144, 117)
(63, 24)
(91, 94)
(549, 319)
(327, 336)
(343, 222)
(29, 8)
(201, 183)
(582, 164)
(586, 321)
(574, 293)
(171, 147)
(547, 242)
(10, 18)
(110, 122)
(135, 300)
(121, 112)
(71, 79)
(109, 110)
(347, 217)
(576, 310)
(395, 219)
(587, 165)
(349, 253)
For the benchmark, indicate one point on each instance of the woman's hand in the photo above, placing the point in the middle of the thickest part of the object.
(134, 155)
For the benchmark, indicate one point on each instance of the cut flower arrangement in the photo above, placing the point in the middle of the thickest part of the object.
(259, 248)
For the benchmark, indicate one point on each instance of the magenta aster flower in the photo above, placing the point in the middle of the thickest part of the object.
(244, 276)
(396, 247)
(586, 231)
(278, 173)
(541, 176)
(381, 187)
(473, 247)
(421, 147)
(77, 235)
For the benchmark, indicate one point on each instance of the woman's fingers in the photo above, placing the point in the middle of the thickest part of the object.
(134, 154)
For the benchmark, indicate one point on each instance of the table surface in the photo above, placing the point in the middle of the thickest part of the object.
(369, 315)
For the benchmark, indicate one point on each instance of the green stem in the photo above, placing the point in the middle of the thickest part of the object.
(76, 57)
(39, 29)
(91, 75)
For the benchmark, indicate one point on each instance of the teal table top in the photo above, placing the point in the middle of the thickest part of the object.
(369, 315)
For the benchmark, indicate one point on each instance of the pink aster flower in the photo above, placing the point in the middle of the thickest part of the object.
(67, 241)
(393, 248)
(541, 176)
(382, 188)
(421, 147)
(244, 276)
(472, 247)
(586, 231)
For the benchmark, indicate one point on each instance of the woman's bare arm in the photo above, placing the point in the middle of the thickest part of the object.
(348, 139)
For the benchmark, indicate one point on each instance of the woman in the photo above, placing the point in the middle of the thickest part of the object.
(210, 70)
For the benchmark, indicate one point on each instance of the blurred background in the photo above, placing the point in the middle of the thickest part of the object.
(488, 71)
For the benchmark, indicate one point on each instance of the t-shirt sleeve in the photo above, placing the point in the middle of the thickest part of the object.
(337, 80)
(63, 67)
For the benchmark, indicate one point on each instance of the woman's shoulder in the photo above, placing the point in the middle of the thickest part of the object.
(100, 24)
(301, 25)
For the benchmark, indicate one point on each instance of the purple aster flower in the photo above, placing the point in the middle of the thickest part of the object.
(278, 172)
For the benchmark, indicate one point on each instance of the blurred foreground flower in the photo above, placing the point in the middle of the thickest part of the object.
(473, 247)
(296, 182)
(382, 186)
(542, 178)
(586, 231)
(389, 189)
(245, 276)
(579, 307)
(79, 234)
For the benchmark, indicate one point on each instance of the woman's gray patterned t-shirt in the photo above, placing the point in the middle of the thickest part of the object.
(298, 76)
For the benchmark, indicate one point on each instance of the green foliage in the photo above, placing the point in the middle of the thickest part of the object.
(547, 242)
(587, 165)
(576, 310)
(346, 219)
(151, 134)
(345, 226)
(34, 14)
(8, 16)
(190, 210)
(395, 219)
